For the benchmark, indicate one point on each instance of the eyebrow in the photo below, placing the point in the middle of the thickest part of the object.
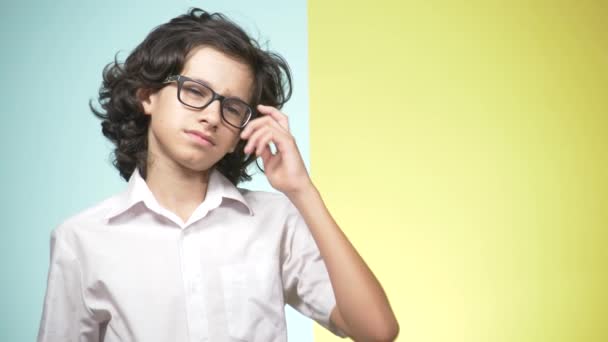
(208, 84)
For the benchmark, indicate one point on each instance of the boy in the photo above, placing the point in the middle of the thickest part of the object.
(183, 254)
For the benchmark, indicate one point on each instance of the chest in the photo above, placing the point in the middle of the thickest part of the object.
(216, 275)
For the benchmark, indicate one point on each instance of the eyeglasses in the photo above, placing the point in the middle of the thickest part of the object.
(191, 93)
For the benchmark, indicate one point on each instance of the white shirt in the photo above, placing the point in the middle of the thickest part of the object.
(128, 269)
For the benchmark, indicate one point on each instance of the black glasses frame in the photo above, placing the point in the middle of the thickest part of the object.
(180, 79)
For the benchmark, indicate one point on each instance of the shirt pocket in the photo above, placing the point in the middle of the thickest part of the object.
(253, 302)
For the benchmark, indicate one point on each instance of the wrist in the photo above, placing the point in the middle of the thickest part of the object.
(304, 191)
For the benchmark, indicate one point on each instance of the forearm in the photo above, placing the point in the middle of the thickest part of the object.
(360, 298)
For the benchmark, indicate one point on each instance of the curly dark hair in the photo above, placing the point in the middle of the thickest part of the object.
(164, 53)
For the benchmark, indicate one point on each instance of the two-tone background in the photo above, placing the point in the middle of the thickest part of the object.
(462, 146)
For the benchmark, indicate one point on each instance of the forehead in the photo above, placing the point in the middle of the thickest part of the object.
(225, 74)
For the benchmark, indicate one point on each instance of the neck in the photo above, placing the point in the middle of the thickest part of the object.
(176, 188)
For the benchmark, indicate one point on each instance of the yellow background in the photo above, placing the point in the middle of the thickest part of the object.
(463, 149)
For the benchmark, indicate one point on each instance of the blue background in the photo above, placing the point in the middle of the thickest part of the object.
(55, 161)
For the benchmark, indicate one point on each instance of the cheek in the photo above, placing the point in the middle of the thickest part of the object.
(159, 125)
(165, 129)
(233, 141)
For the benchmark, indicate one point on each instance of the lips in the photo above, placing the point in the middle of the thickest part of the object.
(202, 135)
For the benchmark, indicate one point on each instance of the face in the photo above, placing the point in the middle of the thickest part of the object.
(174, 134)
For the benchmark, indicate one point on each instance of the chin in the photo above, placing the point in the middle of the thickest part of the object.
(198, 165)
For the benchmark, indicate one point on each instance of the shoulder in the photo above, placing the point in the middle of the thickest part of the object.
(268, 202)
(91, 217)
(275, 209)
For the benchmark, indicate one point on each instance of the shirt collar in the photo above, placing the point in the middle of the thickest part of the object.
(137, 191)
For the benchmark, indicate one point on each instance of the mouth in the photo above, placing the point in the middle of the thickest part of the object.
(201, 138)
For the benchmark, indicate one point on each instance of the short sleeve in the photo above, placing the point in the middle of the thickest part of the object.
(65, 317)
(306, 283)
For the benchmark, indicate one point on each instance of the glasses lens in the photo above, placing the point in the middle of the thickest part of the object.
(236, 112)
(195, 94)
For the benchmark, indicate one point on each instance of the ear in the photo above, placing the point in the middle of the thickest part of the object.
(147, 99)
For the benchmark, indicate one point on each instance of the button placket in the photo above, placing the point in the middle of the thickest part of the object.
(194, 285)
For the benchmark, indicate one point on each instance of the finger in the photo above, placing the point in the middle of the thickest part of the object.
(266, 156)
(256, 124)
(281, 138)
(283, 141)
(253, 142)
(255, 136)
(276, 114)
(264, 142)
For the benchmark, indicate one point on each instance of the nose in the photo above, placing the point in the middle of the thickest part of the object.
(212, 113)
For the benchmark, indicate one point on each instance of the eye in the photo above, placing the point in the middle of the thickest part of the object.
(195, 90)
(231, 110)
